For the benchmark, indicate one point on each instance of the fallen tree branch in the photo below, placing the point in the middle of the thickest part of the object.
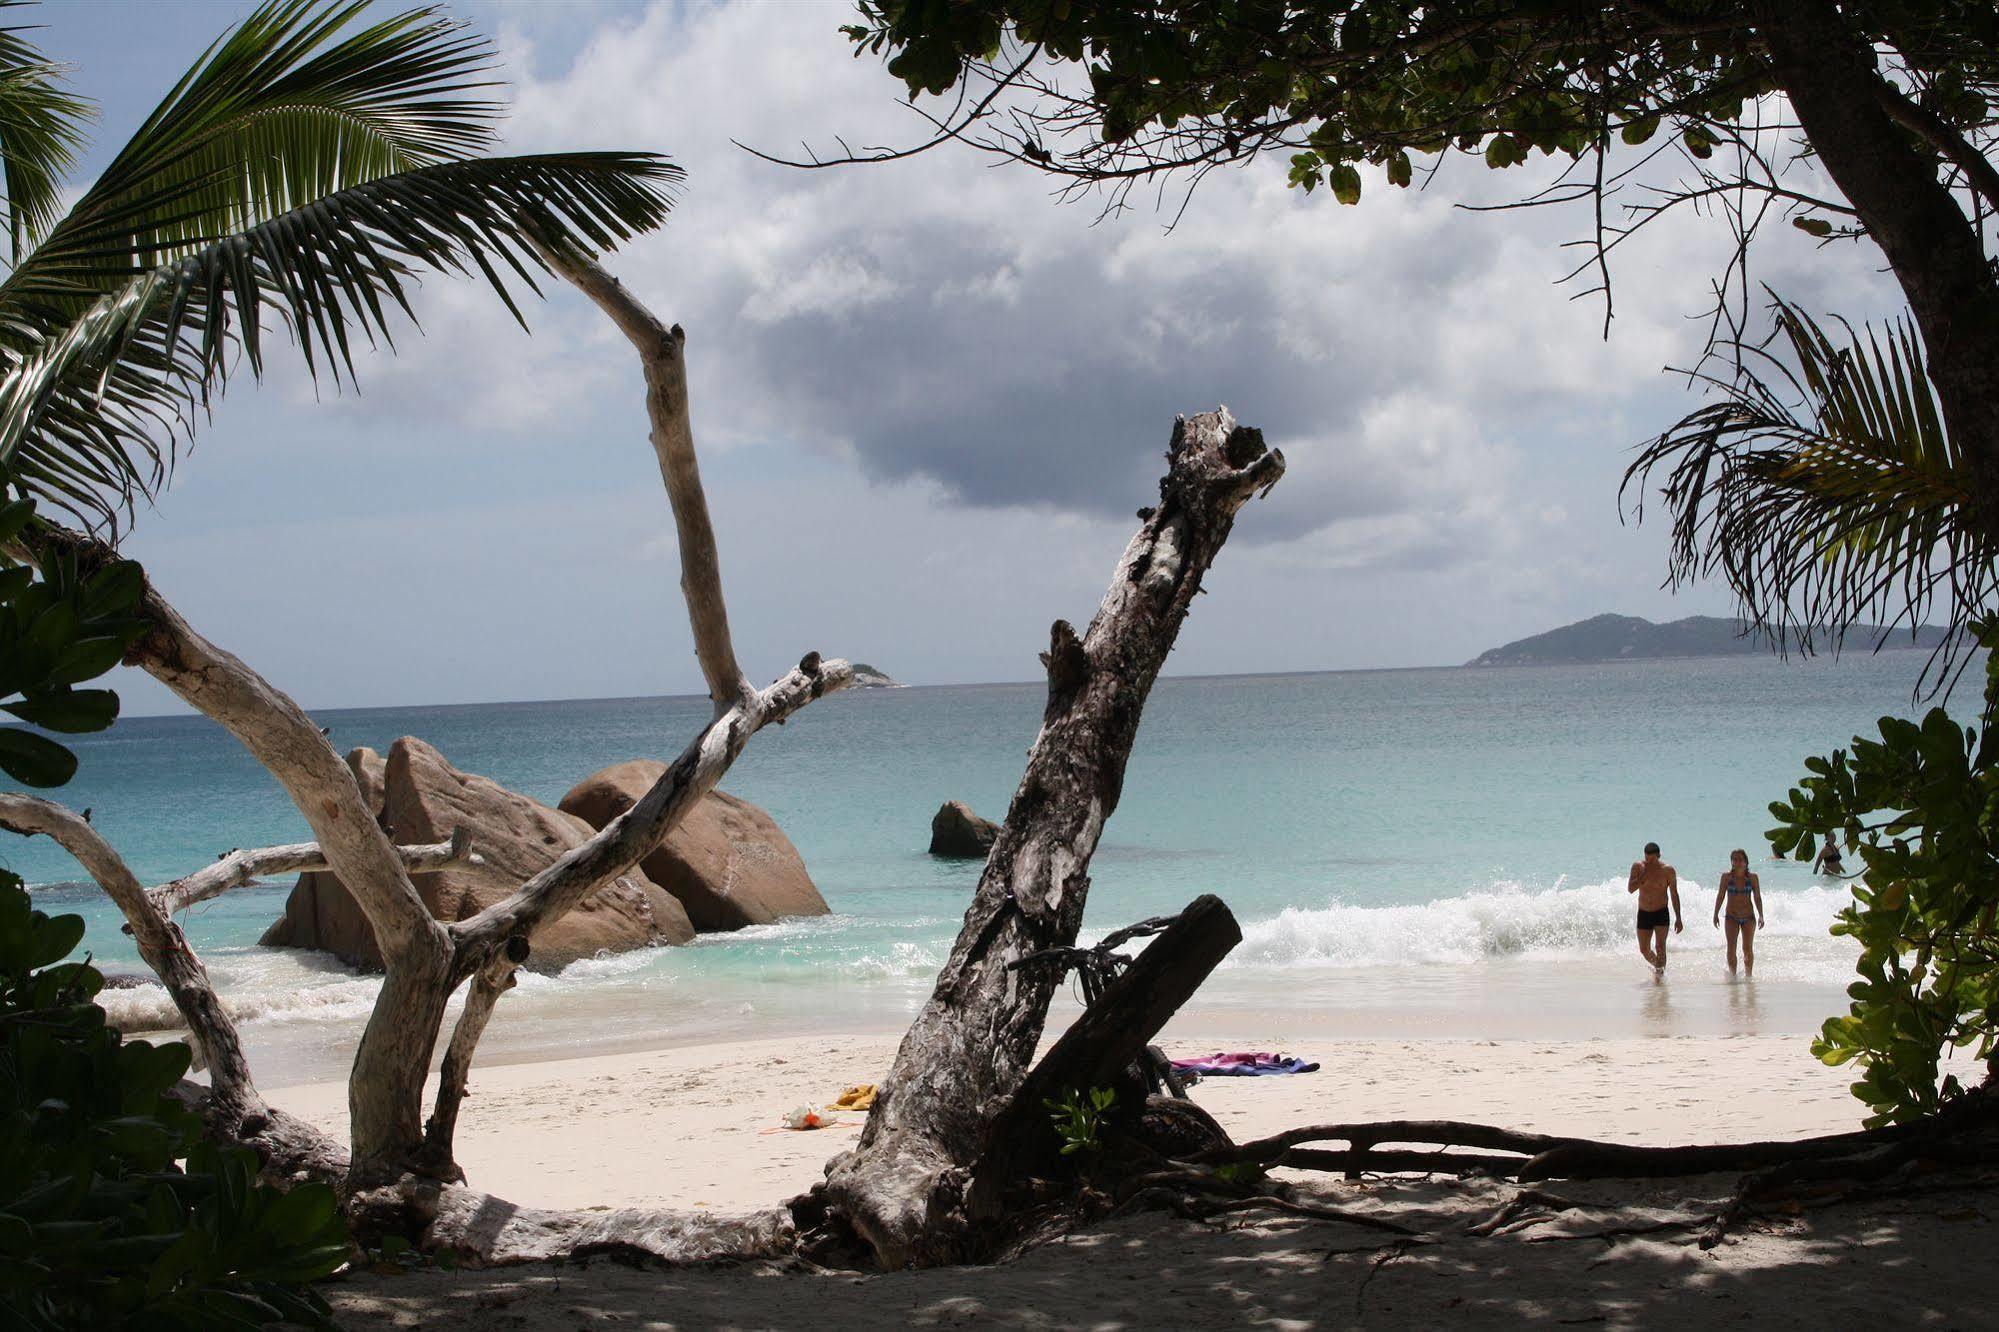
(1373, 1160)
(240, 867)
(1540, 1155)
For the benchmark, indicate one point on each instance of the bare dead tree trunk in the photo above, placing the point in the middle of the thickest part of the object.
(901, 1189)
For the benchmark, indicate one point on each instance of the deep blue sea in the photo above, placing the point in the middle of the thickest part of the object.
(1437, 852)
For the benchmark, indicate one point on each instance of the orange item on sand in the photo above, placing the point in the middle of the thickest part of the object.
(859, 1097)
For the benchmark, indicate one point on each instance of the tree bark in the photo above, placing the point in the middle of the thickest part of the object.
(425, 960)
(1831, 76)
(901, 1189)
(1545, 1156)
(1102, 1043)
(242, 866)
(385, 1088)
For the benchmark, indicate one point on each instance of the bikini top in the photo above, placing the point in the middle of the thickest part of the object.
(1734, 891)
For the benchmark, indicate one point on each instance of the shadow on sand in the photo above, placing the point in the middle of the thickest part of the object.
(1896, 1258)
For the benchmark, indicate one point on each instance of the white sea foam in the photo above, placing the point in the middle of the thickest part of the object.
(1504, 920)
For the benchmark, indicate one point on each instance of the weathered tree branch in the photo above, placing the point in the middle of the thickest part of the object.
(162, 946)
(631, 836)
(662, 351)
(492, 980)
(901, 1189)
(241, 866)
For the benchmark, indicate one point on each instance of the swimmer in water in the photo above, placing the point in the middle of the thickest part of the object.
(1655, 883)
(1742, 893)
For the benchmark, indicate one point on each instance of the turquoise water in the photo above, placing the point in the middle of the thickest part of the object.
(1425, 851)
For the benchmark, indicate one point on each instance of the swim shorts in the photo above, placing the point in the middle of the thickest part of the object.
(1655, 920)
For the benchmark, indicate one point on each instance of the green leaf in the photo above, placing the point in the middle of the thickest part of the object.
(69, 711)
(1344, 179)
(34, 760)
(85, 659)
(116, 589)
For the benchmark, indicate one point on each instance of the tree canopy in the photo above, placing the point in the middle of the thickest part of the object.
(1818, 510)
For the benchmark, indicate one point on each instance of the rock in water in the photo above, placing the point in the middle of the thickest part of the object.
(422, 799)
(728, 862)
(321, 913)
(960, 834)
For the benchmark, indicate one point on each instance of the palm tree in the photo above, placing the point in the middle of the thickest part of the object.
(1825, 491)
(313, 160)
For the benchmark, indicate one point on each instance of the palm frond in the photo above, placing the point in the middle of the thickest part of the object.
(297, 101)
(94, 413)
(41, 128)
(1825, 492)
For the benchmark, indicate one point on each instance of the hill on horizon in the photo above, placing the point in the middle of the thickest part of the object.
(1630, 638)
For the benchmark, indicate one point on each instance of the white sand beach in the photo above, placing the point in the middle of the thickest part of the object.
(698, 1127)
(692, 1127)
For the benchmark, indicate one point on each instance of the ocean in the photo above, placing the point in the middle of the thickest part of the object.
(1411, 852)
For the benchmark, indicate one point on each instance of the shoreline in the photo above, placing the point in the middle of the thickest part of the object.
(697, 1126)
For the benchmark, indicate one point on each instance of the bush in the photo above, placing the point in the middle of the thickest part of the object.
(99, 1227)
(1921, 807)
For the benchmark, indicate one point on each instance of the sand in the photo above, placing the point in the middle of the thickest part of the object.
(698, 1126)
(688, 1128)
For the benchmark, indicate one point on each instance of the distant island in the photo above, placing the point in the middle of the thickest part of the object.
(867, 677)
(1629, 638)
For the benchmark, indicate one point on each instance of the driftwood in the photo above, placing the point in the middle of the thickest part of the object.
(424, 960)
(1538, 1156)
(239, 867)
(901, 1190)
(1105, 1040)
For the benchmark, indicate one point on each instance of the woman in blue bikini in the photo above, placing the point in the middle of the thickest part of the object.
(1743, 894)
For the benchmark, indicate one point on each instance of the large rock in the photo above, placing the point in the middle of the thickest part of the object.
(423, 798)
(321, 913)
(958, 833)
(728, 862)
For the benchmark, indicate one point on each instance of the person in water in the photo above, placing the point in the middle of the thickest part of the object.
(1743, 895)
(1655, 883)
(1828, 861)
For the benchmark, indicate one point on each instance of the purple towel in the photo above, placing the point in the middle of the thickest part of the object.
(1244, 1065)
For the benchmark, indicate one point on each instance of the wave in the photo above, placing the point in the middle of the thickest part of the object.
(1506, 920)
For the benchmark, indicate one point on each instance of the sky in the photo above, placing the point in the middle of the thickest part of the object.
(928, 396)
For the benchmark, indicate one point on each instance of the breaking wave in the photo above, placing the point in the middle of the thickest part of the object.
(1505, 920)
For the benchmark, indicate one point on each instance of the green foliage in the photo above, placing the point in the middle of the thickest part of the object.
(1921, 807)
(59, 627)
(1189, 83)
(99, 1227)
(41, 127)
(309, 166)
(1824, 489)
(1077, 1117)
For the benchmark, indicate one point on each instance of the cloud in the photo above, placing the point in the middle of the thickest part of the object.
(938, 322)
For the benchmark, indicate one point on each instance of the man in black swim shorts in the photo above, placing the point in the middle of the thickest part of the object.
(1656, 884)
